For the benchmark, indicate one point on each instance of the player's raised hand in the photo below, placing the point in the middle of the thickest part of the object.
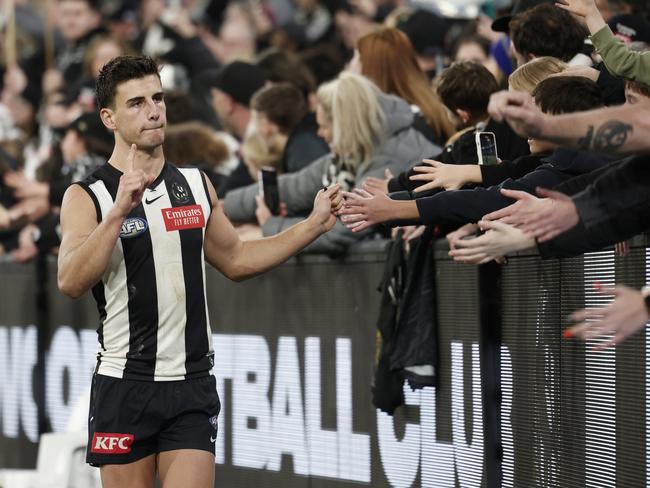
(132, 185)
(325, 203)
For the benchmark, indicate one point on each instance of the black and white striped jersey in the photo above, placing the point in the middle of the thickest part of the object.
(151, 299)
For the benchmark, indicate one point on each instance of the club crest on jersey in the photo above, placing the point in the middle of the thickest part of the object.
(181, 218)
(179, 193)
(133, 227)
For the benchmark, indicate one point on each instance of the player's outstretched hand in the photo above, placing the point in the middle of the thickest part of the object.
(132, 185)
(326, 203)
(620, 319)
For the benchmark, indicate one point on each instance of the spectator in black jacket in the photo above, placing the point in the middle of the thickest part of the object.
(465, 90)
(458, 207)
(584, 214)
(283, 119)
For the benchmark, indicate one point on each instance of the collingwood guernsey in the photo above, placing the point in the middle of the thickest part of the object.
(151, 298)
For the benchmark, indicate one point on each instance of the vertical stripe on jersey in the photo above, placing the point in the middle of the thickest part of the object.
(196, 339)
(143, 303)
(115, 297)
(170, 287)
(206, 203)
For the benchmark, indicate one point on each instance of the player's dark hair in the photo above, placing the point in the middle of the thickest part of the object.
(120, 70)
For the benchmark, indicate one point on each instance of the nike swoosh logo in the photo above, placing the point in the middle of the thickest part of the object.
(212, 439)
(148, 202)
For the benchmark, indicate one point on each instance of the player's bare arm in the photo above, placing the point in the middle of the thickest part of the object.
(86, 245)
(239, 260)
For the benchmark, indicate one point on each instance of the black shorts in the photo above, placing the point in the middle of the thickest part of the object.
(129, 420)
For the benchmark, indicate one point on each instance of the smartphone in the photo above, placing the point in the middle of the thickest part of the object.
(486, 148)
(268, 181)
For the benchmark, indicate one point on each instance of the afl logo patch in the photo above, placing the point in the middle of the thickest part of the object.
(133, 227)
(180, 193)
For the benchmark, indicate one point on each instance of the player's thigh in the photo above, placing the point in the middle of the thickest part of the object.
(186, 467)
(138, 474)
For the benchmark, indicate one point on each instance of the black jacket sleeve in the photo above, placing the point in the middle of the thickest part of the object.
(494, 174)
(623, 187)
(581, 239)
(613, 87)
(463, 206)
(613, 204)
(400, 182)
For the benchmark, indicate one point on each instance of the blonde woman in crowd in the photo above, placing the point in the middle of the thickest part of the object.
(368, 132)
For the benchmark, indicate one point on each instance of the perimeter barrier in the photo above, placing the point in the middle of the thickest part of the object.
(516, 406)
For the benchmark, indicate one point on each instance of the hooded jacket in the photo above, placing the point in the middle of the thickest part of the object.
(402, 147)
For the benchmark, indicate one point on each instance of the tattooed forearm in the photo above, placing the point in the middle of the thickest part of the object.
(584, 143)
(611, 136)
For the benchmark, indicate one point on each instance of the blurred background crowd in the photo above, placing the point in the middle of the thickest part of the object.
(350, 91)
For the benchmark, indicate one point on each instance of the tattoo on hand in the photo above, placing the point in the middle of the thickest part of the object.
(611, 135)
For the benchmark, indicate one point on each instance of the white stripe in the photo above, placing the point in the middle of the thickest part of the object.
(195, 179)
(170, 288)
(116, 325)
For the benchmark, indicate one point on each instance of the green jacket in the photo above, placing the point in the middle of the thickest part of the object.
(618, 58)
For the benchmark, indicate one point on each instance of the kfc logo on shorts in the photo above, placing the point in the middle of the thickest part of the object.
(105, 443)
(181, 218)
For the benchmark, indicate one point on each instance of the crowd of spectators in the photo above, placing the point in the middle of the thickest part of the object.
(384, 97)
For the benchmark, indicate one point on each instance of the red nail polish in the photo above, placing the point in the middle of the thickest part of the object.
(567, 334)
